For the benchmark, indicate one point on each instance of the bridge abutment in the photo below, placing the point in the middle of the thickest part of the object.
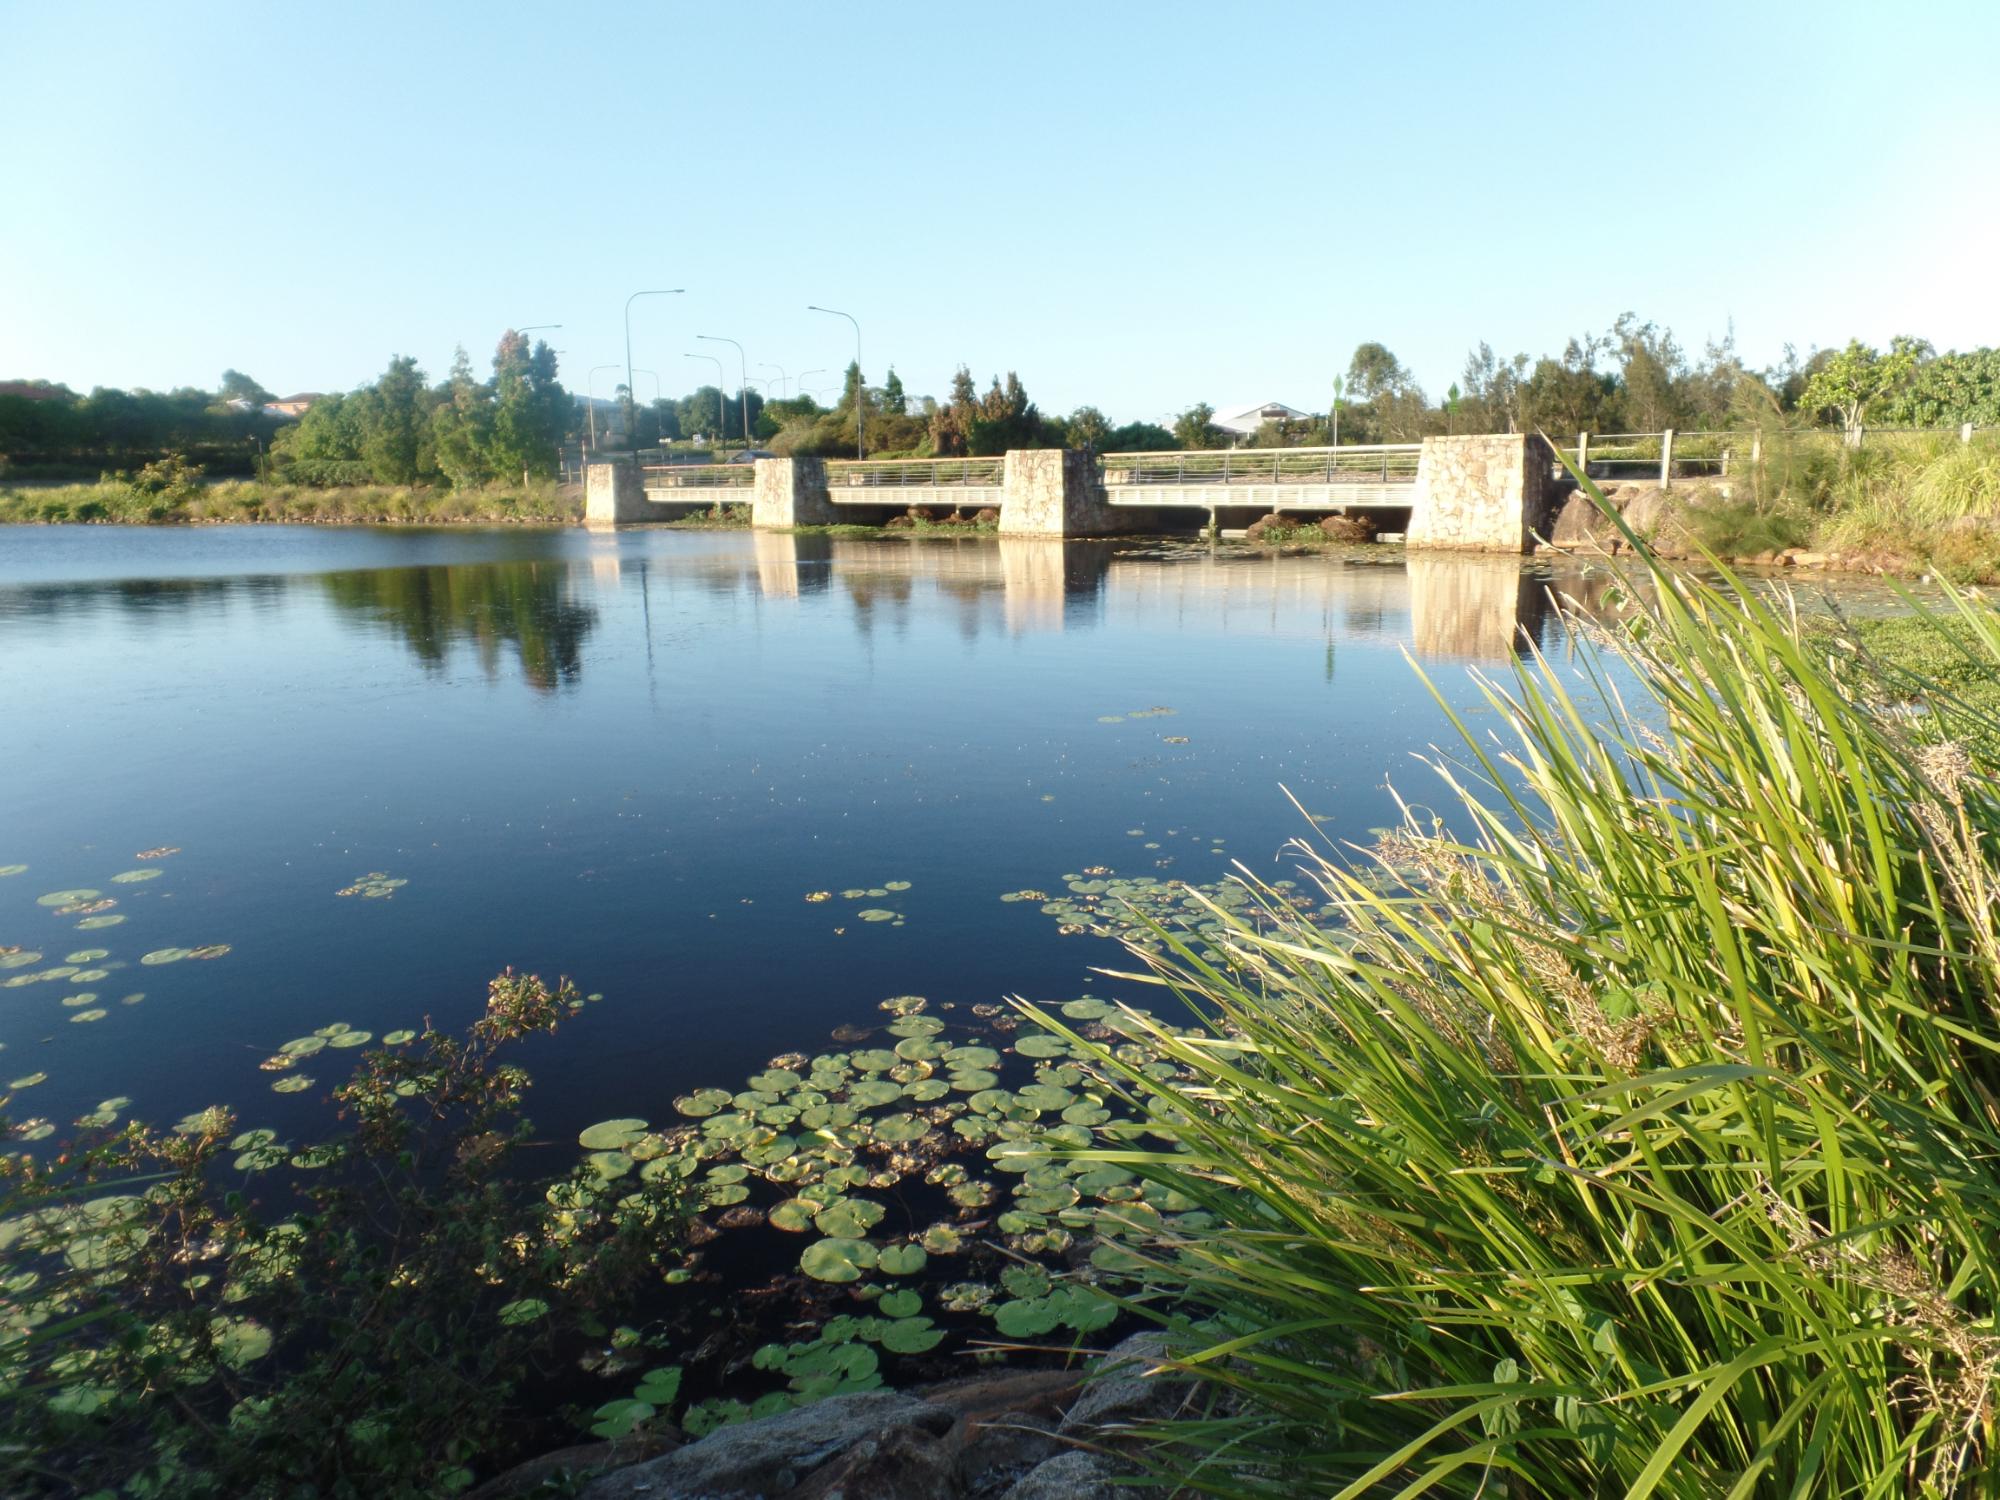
(613, 494)
(1483, 494)
(790, 492)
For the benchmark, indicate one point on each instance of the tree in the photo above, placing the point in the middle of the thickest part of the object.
(531, 408)
(951, 424)
(1651, 375)
(894, 401)
(1374, 371)
(1493, 390)
(1195, 428)
(1859, 375)
(1088, 428)
(395, 438)
(462, 427)
(236, 386)
(1139, 437)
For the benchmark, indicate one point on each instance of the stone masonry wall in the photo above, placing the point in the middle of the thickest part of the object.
(1483, 494)
(1052, 492)
(790, 492)
(613, 493)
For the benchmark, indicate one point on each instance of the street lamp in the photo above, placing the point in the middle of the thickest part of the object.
(1336, 411)
(630, 395)
(719, 378)
(672, 291)
(743, 391)
(781, 376)
(860, 386)
(800, 384)
(535, 327)
(590, 385)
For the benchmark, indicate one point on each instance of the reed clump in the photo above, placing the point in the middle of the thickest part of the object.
(1636, 1129)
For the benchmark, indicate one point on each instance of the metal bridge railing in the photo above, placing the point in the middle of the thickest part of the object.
(1377, 463)
(912, 473)
(699, 476)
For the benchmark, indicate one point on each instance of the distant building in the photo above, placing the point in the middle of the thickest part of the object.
(1244, 420)
(294, 406)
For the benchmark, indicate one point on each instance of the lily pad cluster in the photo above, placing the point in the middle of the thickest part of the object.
(932, 1182)
(376, 885)
(1103, 904)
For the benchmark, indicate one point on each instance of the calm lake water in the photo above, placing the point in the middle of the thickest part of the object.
(629, 759)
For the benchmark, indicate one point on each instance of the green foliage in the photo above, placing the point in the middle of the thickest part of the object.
(1948, 390)
(366, 1335)
(1635, 1139)
(1851, 380)
(330, 490)
(1195, 429)
(1740, 528)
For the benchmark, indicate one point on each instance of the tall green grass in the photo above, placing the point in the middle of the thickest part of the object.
(1643, 1141)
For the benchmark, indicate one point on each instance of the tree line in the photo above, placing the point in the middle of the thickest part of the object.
(465, 431)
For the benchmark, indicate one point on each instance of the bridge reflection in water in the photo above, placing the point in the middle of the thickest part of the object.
(1447, 605)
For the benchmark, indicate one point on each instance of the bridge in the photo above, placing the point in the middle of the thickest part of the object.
(1481, 493)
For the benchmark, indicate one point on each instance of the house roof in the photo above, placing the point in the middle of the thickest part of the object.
(1250, 418)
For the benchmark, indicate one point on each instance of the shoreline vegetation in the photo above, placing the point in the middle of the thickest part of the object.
(1612, 1143)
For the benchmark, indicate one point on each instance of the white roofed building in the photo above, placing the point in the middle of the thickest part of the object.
(1245, 420)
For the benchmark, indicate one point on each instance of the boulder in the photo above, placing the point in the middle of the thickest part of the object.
(1348, 529)
(774, 1456)
(1130, 1384)
(1070, 1476)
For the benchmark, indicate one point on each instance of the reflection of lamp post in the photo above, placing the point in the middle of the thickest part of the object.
(672, 291)
(742, 391)
(590, 385)
(860, 381)
(720, 423)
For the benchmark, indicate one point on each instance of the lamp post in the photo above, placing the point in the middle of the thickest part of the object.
(1336, 411)
(743, 391)
(672, 291)
(800, 385)
(719, 378)
(782, 376)
(590, 385)
(640, 370)
(535, 327)
(860, 383)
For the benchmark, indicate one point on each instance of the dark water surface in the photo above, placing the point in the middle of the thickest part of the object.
(628, 758)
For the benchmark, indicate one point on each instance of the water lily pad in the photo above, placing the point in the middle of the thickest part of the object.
(209, 950)
(165, 956)
(895, 885)
(87, 955)
(911, 1336)
(12, 869)
(133, 877)
(20, 958)
(1041, 1044)
(902, 1260)
(1023, 1320)
(347, 1038)
(617, 1419)
(67, 898)
(239, 1341)
(398, 1038)
(837, 1260)
(29, 1081)
(96, 924)
(659, 1387)
(877, 914)
(794, 1216)
(901, 1303)
(297, 1083)
(95, 1014)
(848, 1219)
(943, 1239)
(701, 1103)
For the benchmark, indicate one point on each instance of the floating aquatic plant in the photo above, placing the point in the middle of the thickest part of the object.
(376, 885)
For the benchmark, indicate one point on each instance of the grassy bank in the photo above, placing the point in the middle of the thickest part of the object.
(1644, 1140)
(257, 500)
(1906, 503)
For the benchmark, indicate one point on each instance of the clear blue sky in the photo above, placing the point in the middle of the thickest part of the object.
(1135, 205)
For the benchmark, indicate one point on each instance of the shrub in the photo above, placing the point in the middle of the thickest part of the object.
(1636, 1138)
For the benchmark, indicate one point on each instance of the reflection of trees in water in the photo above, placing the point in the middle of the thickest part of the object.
(489, 605)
